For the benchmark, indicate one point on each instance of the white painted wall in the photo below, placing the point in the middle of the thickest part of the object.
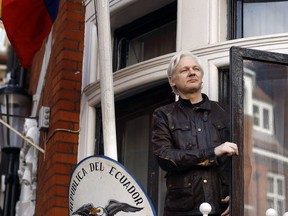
(201, 22)
(202, 29)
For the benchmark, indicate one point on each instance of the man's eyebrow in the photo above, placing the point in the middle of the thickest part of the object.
(189, 66)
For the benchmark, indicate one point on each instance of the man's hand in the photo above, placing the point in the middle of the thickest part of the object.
(226, 200)
(226, 148)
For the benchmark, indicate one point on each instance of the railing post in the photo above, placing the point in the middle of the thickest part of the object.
(205, 208)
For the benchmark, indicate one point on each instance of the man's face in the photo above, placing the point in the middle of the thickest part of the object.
(187, 77)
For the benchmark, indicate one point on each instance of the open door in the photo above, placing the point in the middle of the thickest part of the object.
(259, 107)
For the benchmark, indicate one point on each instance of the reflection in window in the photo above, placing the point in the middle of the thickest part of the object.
(266, 118)
(265, 137)
(275, 192)
(270, 185)
(280, 190)
(262, 116)
(256, 115)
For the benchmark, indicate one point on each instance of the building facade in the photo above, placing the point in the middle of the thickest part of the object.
(66, 77)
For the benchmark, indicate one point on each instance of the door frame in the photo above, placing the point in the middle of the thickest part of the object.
(143, 101)
(237, 55)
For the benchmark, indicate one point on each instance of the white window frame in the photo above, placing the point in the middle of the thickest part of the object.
(274, 195)
(263, 105)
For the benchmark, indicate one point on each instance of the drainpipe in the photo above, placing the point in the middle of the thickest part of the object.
(106, 78)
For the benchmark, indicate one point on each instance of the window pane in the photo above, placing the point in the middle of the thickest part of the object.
(270, 185)
(280, 207)
(256, 115)
(270, 203)
(264, 17)
(280, 187)
(152, 44)
(267, 144)
(266, 119)
(146, 37)
(135, 148)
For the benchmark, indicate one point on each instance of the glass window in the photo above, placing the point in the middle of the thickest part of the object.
(266, 119)
(264, 17)
(257, 17)
(135, 147)
(280, 186)
(280, 206)
(262, 111)
(275, 194)
(157, 42)
(146, 38)
(263, 168)
(133, 122)
(256, 115)
(265, 143)
(270, 185)
(270, 203)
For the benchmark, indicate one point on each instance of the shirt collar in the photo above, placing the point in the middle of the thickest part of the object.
(202, 105)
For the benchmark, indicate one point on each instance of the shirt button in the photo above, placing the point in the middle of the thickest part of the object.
(199, 129)
(205, 181)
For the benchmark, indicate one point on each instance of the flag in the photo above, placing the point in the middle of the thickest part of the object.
(27, 23)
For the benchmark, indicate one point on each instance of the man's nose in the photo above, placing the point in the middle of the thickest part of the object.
(191, 71)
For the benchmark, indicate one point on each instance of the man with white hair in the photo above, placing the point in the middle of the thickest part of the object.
(190, 141)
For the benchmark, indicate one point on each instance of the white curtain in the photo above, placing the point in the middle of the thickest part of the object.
(263, 18)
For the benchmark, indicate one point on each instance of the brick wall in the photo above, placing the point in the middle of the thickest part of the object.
(62, 93)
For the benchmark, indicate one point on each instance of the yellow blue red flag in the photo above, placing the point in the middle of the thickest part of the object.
(27, 23)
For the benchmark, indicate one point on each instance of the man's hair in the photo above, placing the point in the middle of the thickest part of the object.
(175, 61)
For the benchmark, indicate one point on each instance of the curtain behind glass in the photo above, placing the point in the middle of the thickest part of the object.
(263, 18)
(158, 42)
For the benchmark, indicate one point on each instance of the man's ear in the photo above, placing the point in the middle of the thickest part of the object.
(171, 81)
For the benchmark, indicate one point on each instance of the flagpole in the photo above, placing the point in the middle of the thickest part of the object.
(106, 78)
(22, 136)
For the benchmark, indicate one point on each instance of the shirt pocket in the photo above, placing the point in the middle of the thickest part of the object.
(182, 134)
(179, 195)
(184, 193)
(218, 132)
